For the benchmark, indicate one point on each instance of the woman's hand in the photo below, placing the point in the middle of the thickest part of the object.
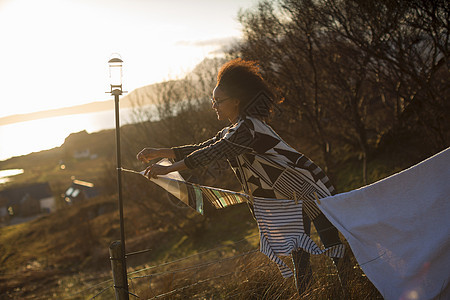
(147, 154)
(155, 169)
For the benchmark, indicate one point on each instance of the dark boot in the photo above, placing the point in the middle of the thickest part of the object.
(300, 259)
(302, 270)
(344, 267)
(329, 236)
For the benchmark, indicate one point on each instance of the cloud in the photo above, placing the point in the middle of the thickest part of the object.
(209, 42)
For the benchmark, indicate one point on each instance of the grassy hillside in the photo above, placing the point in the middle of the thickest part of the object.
(65, 254)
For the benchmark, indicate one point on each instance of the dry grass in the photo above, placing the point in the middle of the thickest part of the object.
(228, 274)
(248, 277)
(65, 255)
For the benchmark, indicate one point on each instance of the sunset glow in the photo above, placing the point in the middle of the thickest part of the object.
(57, 50)
(55, 54)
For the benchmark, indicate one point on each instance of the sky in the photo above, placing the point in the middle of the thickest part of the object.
(54, 53)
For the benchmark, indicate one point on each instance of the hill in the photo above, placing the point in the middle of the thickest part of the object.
(126, 101)
(78, 109)
(67, 251)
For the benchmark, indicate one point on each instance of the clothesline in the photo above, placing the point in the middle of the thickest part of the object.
(193, 194)
(189, 183)
(279, 221)
(241, 194)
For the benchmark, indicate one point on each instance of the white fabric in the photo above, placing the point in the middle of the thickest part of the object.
(399, 229)
(192, 194)
(172, 186)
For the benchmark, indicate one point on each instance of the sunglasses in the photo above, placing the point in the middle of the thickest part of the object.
(217, 102)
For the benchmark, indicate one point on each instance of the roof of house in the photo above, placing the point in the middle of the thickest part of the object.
(82, 183)
(79, 185)
(35, 190)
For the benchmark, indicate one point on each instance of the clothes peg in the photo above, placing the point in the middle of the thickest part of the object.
(250, 194)
(295, 197)
(317, 198)
(251, 199)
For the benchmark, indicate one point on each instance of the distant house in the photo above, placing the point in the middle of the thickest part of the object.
(79, 191)
(27, 200)
(86, 153)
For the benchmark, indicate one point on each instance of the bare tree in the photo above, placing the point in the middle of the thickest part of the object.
(353, 72)
(410, 40)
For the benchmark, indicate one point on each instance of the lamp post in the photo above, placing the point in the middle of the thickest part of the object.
(115, 74)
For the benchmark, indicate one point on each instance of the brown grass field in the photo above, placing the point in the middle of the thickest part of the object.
(64, 255)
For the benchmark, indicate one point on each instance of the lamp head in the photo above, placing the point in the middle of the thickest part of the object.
(115, 72)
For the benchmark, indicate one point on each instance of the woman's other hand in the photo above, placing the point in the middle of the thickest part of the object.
(147, 154)
(155, 169)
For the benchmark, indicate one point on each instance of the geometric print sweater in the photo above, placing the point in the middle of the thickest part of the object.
(277, 176)
(265, 165)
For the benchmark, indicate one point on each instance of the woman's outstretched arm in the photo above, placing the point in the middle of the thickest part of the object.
(180, 152)
(238, 140)
(177, 153)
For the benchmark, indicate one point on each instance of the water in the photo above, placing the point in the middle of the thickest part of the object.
(37, 135)
(5, 174)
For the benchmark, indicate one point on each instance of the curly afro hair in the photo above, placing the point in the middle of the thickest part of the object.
(242, 79)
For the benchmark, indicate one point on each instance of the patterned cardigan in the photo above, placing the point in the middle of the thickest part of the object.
(265, 165)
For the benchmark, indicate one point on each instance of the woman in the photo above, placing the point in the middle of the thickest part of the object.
(265, 165)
